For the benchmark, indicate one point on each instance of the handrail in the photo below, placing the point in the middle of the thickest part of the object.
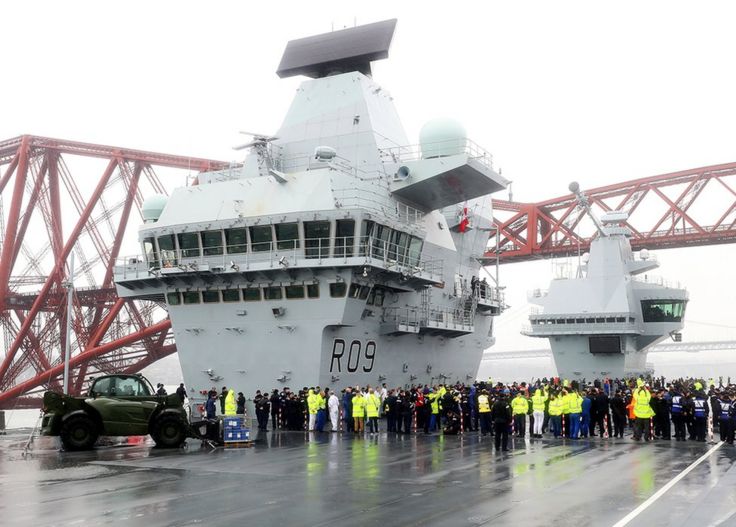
(461, 145)
(286, 253)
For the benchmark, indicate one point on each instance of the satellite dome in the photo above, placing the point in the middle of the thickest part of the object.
(442, 137)
(152, 207)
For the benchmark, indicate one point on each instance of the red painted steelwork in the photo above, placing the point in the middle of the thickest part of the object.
(681, 209)
(85, 210)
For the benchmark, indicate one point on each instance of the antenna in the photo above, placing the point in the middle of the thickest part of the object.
(574, 187)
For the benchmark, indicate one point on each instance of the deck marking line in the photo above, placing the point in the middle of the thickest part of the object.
(654, 497)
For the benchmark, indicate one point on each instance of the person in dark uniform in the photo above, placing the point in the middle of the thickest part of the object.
(389, 410)
(223, 395)
(678, 414)
(275, 401)
(181, 392)
(726, 424)
(662, 426)
(240, 402)
(161, 390)
(700, 416)
(618, 408)
(453, 423)
(265, 410)
(501, 416)
(602, 413)
(406, 411)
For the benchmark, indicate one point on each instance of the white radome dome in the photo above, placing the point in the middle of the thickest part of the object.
(442, 137)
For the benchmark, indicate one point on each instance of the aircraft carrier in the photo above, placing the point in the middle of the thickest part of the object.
(355, 264)
(301, 479)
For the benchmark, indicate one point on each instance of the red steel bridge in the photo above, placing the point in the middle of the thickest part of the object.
(59, 196)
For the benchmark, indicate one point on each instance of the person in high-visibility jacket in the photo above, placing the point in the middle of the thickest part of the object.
(372, 404)
(484, 413)
(519, 409)
(321, 399)
(358, 412)
(434, 402)
(231, 405)
(312, 407)
(575, 405)
(555, 414)
(538, 400)
(642, 412)
(565, 399)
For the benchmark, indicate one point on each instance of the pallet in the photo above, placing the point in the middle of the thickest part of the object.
(239, 444)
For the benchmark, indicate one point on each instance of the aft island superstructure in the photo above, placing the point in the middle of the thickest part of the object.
(336, 254)
(601, 322)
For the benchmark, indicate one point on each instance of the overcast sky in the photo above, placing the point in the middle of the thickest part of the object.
(557, 91)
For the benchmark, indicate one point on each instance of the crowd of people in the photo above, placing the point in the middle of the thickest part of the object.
(652, 408)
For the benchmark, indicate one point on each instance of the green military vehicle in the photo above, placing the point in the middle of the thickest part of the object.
(117, 405)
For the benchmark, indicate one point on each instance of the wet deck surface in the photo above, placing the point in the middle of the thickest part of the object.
(330, 480)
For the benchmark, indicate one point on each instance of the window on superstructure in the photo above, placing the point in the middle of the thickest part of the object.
(415, 250)
(231, 295)
(212, 243)
(272, 293)
(189, 244)
(236, 241)
(338, 289)
(252, 294)
(294, 291)
(312, 290)
(287, 236)
(366, 231)
(210, 297)
(344, 238)
(167, 250)
(173, 299)
(190, 297)
(261, 238)
(354, 291)
(380, 295)
(317, 239)
(381, 239)
(662, 310)
(402, 247)
(149, 249)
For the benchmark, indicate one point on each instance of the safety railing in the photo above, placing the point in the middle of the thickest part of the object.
(461, 145)
(657, 280)
(378, 203)
(363, 250)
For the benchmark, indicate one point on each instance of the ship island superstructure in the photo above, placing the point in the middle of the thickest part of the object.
(335, 254)
(601, 322)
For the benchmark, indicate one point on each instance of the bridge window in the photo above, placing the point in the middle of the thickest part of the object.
(210, 297)
(344, 238)
(189, 244)
(317, 239)
(167, 249)
(338, 289)
(251, 294)
(236, 241)
(312, 290)
(662, 310)
(287, 236)
(173, 299)
(272, 293)
(260, 238)
(415, 250)
(294, 291)
(231, 295)
(190, 297)
(149, 248)
(212, 243)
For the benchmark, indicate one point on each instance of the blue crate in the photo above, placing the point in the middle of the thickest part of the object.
(233, 422)
(232, 436)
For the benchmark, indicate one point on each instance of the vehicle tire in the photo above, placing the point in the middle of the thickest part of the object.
(79, 432)
(168, 431)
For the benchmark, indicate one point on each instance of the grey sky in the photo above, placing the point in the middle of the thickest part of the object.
(557, 91)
